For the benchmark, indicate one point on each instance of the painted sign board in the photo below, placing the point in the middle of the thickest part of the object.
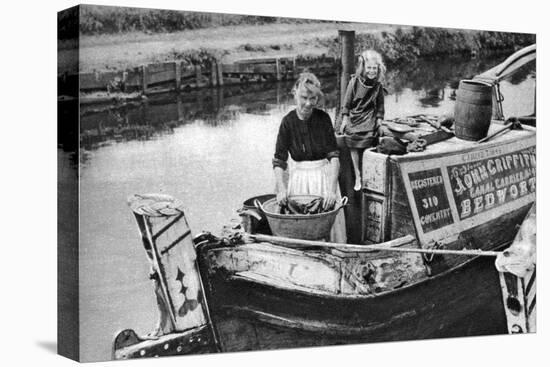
(453, 192)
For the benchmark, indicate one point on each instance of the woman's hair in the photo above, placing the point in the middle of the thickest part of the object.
(309, 82)
(371, 55)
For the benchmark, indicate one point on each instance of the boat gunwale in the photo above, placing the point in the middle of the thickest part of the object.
(359, 297)
(317, 255)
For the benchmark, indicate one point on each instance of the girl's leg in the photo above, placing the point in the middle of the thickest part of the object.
(355, 159)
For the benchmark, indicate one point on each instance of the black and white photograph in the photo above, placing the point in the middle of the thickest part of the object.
(293, 180)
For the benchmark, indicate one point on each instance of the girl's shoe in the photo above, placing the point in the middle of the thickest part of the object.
(357, 186)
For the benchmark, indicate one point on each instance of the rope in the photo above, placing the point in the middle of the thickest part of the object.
(155, 205)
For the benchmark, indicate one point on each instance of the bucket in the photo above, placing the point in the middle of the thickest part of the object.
(301, 226)
(252, 220)
(473, 109)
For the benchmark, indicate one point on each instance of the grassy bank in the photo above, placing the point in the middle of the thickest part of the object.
(101, 20)
(114, 38)
(230, 43)
(408, 45)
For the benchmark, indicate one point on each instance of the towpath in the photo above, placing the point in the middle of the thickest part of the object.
(122, 51)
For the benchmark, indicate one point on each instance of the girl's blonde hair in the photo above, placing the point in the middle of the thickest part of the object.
(309, 82)
(372, 56)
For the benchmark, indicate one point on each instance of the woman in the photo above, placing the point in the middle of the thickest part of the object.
(306, 133)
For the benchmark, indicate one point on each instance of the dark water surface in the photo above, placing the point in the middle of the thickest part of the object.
(212, 150)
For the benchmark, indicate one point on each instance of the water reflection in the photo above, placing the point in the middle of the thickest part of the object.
(162, 113)
(430, 75)
(432, 83)
(432, 98)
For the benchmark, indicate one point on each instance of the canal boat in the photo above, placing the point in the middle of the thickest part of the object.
(429, 224)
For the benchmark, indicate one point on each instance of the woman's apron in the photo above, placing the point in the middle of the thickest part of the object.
(312, 178)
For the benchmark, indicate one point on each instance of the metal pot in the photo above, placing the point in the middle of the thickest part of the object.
(254, 221)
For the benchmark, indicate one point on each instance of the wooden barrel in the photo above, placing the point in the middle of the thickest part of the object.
(473, 110)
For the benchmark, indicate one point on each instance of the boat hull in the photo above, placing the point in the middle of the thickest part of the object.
(251, 315)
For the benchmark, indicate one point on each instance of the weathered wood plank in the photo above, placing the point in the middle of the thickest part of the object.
(188, 72)
(161, 73)
(178, 69)
(219, 73)
(374, 171)
(400, 217)
(382, 271)
(198, 74)
(133, 78)
(353, 270)
(160, 67)
(168, 243)
(250, 69)
(374, 214)
(286, 267)
(144, 78)
(264, 60)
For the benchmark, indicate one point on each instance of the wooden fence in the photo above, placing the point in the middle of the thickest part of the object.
(175, 75)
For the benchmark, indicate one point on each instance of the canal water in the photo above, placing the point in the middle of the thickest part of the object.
(212, 150)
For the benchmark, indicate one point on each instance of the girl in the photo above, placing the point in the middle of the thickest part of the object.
(363, 108)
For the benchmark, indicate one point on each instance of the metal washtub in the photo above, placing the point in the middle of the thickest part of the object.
(300, 226)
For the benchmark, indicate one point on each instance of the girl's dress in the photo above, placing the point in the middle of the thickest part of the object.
(364, 103)
(311, 144)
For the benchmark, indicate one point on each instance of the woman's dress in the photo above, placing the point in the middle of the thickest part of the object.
(311, 144)
(364, 103)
